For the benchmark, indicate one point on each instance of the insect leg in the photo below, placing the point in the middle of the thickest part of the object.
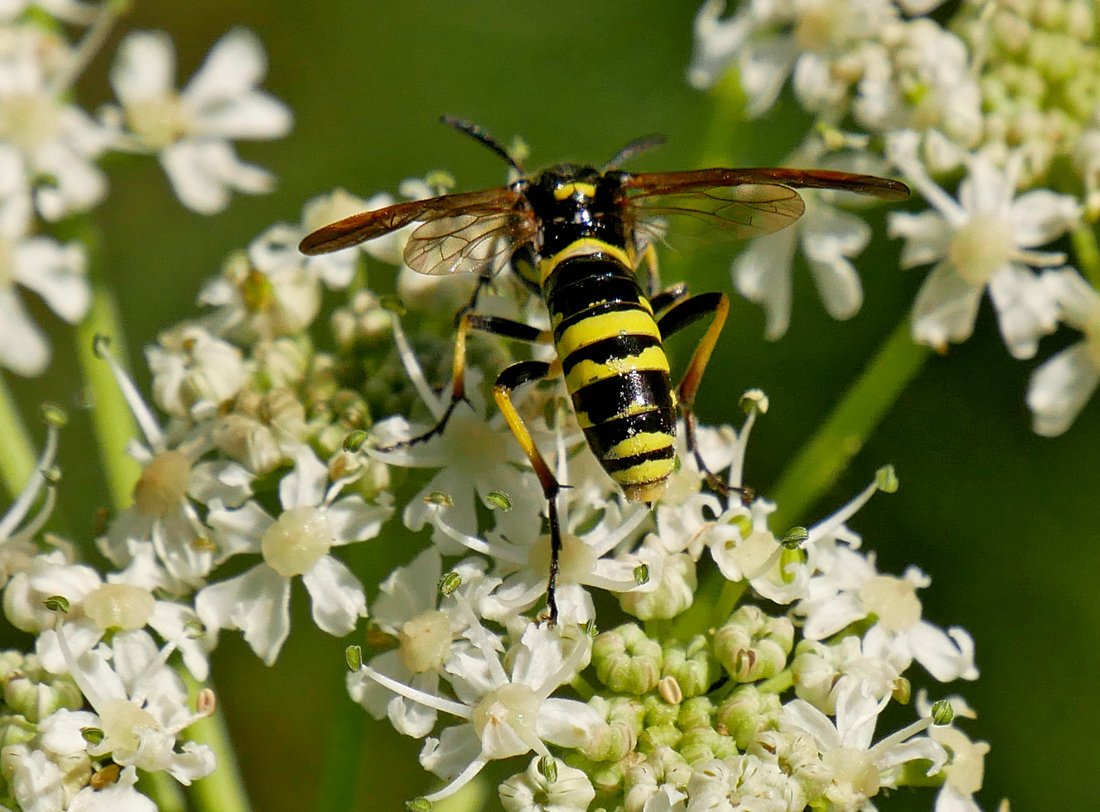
(487, 324)
(652, 271)
(669, 297)
(680, 314)
(508, 380)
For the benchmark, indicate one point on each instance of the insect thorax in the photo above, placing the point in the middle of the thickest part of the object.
(576, 202)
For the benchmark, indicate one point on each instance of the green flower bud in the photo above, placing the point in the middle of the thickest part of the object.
(753, 646)
(654, 736)
(35, 694)
(606, 777)
(626, 660)
(659, 712)
(11, 661)
(14, 729)
(620, 736)
(696, 712)
(746, 712)
(705, 743)
(692, 665)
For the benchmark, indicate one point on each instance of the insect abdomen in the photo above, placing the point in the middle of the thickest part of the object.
(615, 368)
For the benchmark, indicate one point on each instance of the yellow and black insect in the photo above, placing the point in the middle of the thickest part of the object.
(578, 237)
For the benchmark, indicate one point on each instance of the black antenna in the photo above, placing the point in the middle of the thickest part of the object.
(635, 147)
(478, 134)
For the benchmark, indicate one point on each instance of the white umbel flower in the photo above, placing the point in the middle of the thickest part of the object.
(40, 264)
(506, 714)
(987, 239)
(191, 129)
(296, 543)
(53, 139)
(1060, 388)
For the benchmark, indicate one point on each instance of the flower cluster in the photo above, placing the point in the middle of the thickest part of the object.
(50, 147)
(746, 667)
(999, 100)
(699, 659)
(730, 661)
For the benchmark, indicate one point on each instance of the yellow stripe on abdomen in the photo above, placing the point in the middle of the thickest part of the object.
(591, 329)
(586, 372)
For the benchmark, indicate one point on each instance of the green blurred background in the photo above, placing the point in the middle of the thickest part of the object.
(1003, 521)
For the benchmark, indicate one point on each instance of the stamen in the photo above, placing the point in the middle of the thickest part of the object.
(415, 371)
(418, 696)
(18, 510)
(142, 414)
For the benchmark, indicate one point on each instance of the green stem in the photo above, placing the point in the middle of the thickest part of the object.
(343, 757)
(17, 457)
(1087, 253)
(164, 791)
(726, 115)
(849, 425)
(112, 420)
(223, 790)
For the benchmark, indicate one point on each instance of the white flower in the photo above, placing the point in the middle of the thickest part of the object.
(476, 455)
(121, 606)
(297, 543)
(731, 783)
(53, 271)
(54, 140)
(194, 373)
(821, 42)
(849, 589)
(191, 130)
(533, 791)
(426, 628)
(141, 705)
(829, 239)
(921, 80)
(510, 714)
(818, 668)
(261, 294)
(1059, 389)
(965, 769)
(162, 515)
(985, 239)
(522, 556)
(857, 770)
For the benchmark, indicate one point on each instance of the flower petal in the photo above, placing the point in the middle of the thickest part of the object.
(256, 602)
(338, 599)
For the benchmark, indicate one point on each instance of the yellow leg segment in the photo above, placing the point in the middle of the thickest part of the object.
(510, 379)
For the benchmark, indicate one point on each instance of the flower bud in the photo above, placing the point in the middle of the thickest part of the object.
(659, 712)
(746, 712)
(705, 743)
(696, 712)
(14, 729)
(620, 736)
(692, 665)
(753, 646)
(626, 660)
(34, 693)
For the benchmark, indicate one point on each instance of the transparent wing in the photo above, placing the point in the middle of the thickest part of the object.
(470, 242)
(371, 224)
(737, 203)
